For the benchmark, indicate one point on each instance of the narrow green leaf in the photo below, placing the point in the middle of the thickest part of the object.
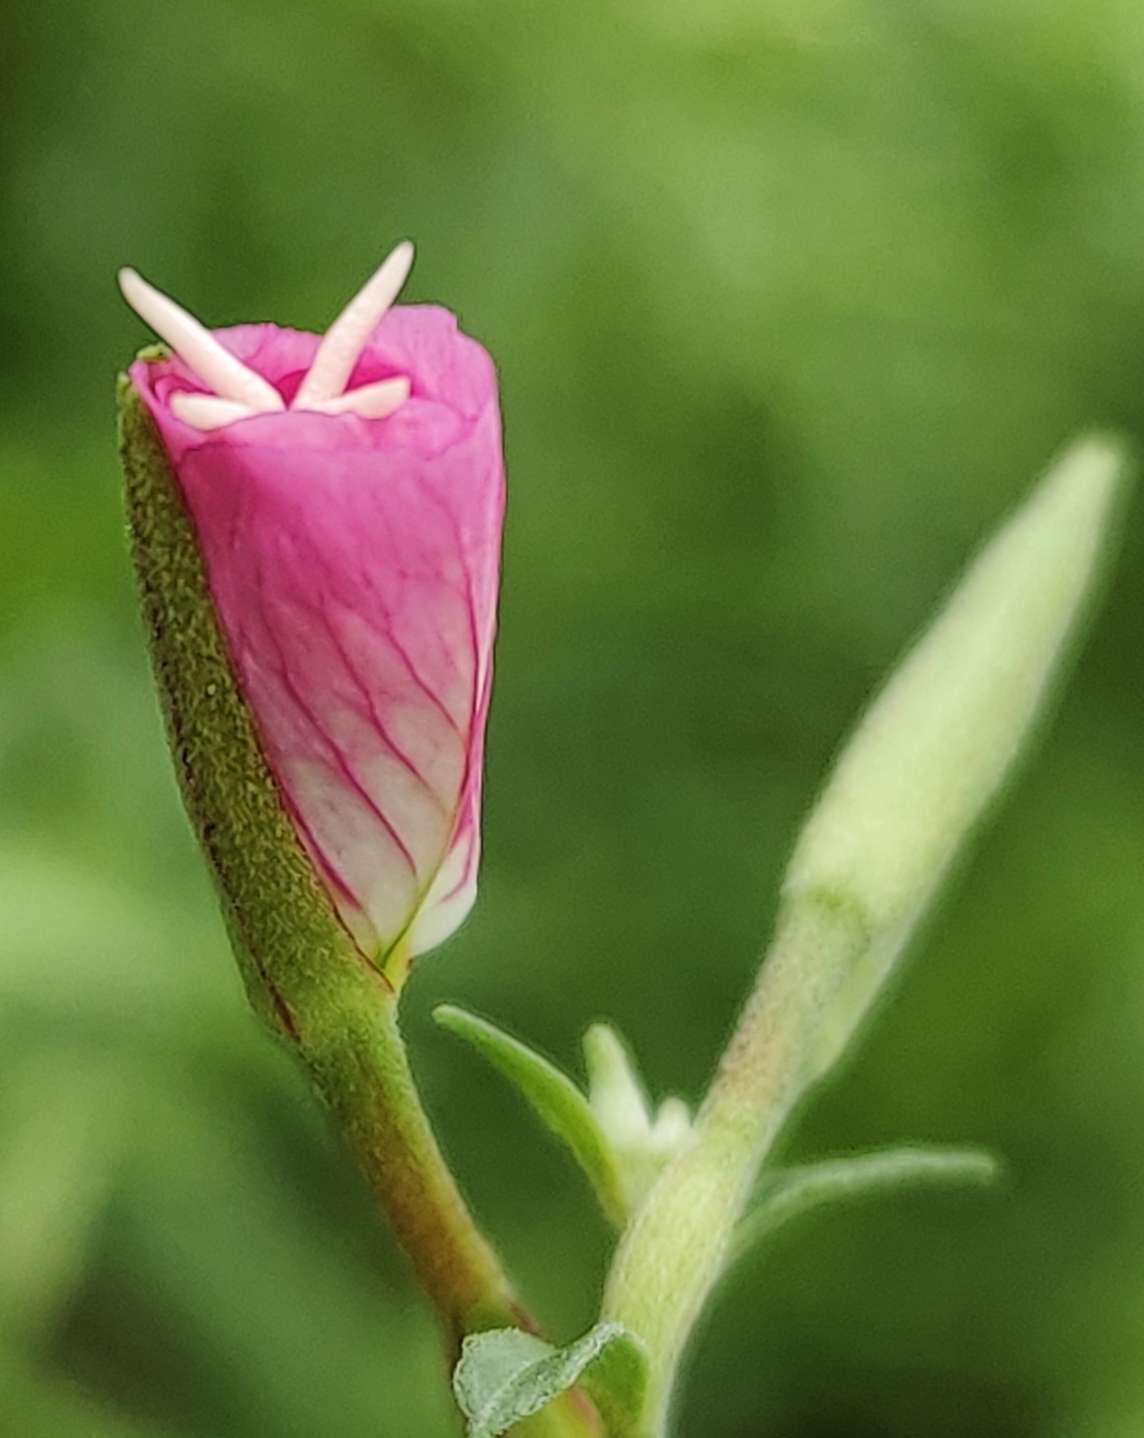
(787, 1193)
(552, 1096)
(506, 1375)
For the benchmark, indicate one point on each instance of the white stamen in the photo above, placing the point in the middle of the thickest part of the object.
(207, 411)
(347, 336)
(371, 401)
(212, 362)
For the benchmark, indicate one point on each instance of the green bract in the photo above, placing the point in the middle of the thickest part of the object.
(282, 925)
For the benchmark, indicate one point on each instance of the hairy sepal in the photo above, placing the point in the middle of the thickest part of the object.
(286, 935)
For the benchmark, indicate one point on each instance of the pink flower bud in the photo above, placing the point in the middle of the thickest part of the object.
(352, 563)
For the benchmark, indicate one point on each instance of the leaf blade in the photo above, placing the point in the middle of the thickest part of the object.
(506, 1375)
(551, 1095)
(786, 1194)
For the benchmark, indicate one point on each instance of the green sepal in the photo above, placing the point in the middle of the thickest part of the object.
(287, 938)
(506, 1375)
(784, 1194)
(552, 1096)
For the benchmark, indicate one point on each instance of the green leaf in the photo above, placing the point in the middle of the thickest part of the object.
(506, 1375)
(552, 1096)
(788, 1193)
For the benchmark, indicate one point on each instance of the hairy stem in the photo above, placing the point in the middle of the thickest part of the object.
(359, 1065)
(353, 1050)
(919, 772)
(676, 1247)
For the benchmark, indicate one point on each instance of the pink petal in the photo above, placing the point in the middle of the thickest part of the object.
(354, 564)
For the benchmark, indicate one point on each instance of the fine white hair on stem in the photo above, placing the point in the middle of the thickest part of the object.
(347, 336)
(371, 401)
(211, 361)
(207, 411)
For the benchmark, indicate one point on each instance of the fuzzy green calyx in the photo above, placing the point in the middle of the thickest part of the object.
(286, 936)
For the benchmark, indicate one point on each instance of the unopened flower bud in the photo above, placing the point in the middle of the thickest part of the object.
(316, 527)
(935, 744)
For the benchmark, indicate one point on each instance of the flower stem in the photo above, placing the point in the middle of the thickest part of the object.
(921, 768)
(351, 1045)
(360, 1067)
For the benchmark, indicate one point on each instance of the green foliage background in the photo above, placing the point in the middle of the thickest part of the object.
(791, 300)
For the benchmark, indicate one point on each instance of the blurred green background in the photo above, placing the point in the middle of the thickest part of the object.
(791, 301)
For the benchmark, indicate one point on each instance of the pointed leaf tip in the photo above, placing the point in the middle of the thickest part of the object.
(551, 1095)
(787, 1193)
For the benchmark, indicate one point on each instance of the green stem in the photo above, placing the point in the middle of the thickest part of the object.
(360, 1067)
(352, 1047)
(676, 1246)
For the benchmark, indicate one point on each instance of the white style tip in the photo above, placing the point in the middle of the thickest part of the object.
(212, 362)
(239, 392)
(348, 335)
